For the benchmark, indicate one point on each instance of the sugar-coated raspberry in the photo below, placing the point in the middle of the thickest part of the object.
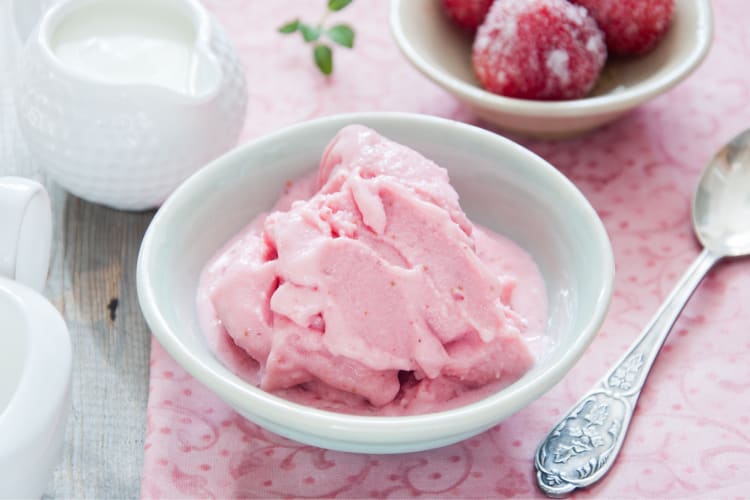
(538, 49)
(468, 14)
(631, 27)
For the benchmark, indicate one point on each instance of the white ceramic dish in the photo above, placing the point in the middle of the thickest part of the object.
(496, 179)
(35, 371)
(442, 52)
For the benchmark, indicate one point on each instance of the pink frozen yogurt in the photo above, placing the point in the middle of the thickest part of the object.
(368, 290)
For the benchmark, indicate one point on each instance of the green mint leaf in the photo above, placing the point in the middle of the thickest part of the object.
(323, 58)
(342, 34)
(334, 5)
(290, 27)
(309, 33)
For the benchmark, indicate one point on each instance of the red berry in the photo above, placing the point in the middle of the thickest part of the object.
(538, 49)
(468, 14)
(631, 27)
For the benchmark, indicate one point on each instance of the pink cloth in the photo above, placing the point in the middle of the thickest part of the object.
(690, 437)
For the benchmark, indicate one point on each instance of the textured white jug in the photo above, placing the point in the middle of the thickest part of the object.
(125, 135)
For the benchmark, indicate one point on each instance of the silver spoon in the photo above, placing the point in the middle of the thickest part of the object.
(582, 447)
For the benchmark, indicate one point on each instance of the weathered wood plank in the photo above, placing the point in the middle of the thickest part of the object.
(92, 281)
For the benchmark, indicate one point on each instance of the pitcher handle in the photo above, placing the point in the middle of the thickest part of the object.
(25, 231)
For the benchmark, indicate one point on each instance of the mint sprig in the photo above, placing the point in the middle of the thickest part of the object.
(290, 27)
(323, 56)
(336, 5)
(340, 34)
(309, 33)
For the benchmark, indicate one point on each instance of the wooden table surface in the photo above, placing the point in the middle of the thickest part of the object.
(92, 283)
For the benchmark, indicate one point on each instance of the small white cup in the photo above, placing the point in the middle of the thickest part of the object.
(25, 231)
(35, 389)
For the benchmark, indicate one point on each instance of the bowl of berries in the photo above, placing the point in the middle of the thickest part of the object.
(553, 68)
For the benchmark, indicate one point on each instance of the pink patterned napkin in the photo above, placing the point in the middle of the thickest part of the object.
(690, 437)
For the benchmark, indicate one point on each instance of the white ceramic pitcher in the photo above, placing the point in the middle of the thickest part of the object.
(121, 126)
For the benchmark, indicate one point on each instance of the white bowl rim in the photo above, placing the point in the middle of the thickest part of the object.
(357, 429)
(608, 103)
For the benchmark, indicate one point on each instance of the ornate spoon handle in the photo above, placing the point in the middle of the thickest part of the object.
(583, 445)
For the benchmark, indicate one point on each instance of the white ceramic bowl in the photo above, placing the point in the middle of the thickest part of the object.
(502, 186)
(35, 371)
(443, 53)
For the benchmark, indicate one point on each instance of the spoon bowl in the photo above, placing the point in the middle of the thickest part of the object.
(721, 204)
(721, 221)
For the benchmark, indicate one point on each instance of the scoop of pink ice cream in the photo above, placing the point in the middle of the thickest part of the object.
(372, 281)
